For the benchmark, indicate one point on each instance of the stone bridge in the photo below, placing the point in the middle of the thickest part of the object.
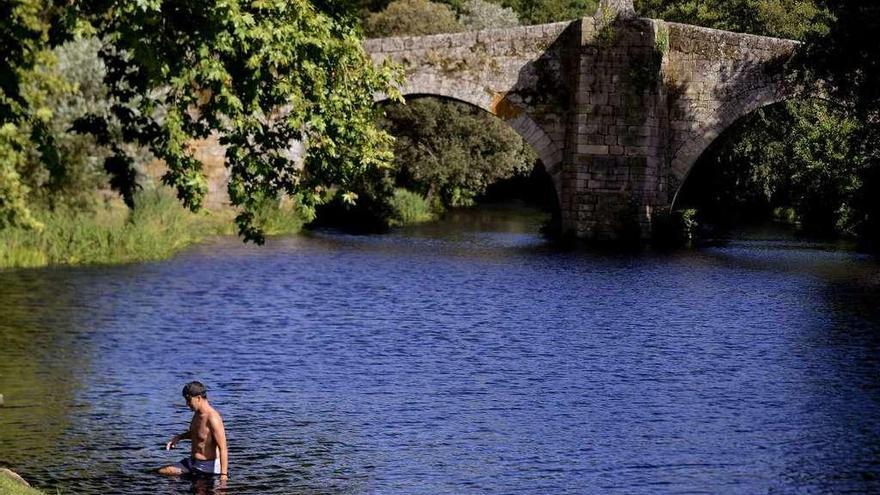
(618, 108)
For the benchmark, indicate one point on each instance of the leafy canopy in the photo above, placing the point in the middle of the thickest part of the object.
(452, 152)
(848, 61)
(793, 19)
(480, 14)
(545, 11)
(259, 74)
(412, 18)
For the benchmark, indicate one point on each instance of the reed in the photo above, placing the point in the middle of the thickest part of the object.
(156, 228)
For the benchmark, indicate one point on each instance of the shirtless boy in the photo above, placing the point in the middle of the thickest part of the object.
(208, 454)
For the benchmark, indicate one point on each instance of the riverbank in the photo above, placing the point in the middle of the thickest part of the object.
(157, 228)
(12, 486)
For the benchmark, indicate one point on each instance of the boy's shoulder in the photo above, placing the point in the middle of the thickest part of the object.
(214, 414)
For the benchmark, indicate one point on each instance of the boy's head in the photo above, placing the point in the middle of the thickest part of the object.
(195, 389)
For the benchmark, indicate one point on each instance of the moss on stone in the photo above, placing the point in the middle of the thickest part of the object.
(661, 38)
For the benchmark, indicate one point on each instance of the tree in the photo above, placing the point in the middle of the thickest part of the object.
(793, 19)
(412, 18)
(847, 61)
(452, 152)
(545, 11)
(68, 84)
(798, 156)
(258, 74)
(480, 14)
(23, 35)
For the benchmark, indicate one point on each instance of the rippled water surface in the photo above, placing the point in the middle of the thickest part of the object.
(467, 356)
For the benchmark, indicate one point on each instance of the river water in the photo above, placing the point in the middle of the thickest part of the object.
(466, 356)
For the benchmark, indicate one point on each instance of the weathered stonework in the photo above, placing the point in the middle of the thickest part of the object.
(519, 74)
(618, 108)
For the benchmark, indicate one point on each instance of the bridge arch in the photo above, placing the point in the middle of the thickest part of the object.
(685, 158)
(548, 151)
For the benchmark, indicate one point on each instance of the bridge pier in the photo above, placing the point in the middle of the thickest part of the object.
(614, 165)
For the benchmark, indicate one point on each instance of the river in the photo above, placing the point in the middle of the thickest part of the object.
(465, 356)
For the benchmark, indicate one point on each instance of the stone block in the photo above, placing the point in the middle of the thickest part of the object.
(588, 149)
(636, 151)
(590, 129)
(592, 139)
(632, 141)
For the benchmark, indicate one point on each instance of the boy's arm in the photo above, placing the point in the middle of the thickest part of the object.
(176, 438)
(216, 424)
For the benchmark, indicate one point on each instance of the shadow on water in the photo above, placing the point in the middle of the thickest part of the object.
(43, 362)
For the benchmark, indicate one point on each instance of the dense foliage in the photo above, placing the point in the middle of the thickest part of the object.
(77, 89)
(793, 19)
(23, 36)
(412, 18)
(544, 11)
(451, 151)
(480, 14)
(259, 74)
(796, 160)
(848, 60)
(528, 11)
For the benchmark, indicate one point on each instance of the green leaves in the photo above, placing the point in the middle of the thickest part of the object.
(452, 152)
(13, 193)
(412, 18)
(260, 75)
(793, 19)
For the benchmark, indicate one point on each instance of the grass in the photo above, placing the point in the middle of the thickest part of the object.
(410, 208)
(157, 228)
(287, 218)
(10, 487)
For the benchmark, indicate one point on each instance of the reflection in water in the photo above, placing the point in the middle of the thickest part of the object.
(456, 357)
(43, 353)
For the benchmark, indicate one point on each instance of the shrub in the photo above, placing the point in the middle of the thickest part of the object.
(156, 228)
(480, 14)
(412, 18)
(410, 208)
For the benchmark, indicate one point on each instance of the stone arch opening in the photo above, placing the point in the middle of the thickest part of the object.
(548, 152)
(685, 159)
(714, 184)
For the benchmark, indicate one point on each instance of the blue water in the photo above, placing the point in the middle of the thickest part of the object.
(469, 356)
